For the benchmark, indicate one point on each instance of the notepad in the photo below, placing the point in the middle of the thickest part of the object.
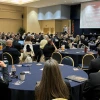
(76, 78)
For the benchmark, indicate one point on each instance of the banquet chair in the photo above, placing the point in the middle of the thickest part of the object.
(68, 61)
(86, 59)
(57, 56)
(9, 57)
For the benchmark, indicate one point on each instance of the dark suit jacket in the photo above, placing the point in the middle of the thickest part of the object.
(17, 45)
(4, 90)
(91, 90)
(84, 42)
(14, 52)
(94, 65)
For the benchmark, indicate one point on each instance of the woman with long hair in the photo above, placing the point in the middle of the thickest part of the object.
(77, 39)
(52, 84)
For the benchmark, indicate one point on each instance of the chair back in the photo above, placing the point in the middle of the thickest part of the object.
(9, 57)
(68, 61)
(57, 56)
(87, 59)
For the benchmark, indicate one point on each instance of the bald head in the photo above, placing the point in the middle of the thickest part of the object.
(9, 43)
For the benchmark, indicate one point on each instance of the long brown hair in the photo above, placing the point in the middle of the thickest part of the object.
(52, 84)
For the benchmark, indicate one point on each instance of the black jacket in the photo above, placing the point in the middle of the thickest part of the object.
(91, 90)
(94, 65)
(14, 52)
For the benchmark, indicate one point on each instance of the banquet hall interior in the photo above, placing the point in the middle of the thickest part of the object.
(34, 33)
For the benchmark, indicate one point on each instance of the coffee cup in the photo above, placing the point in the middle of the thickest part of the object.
(22, 76)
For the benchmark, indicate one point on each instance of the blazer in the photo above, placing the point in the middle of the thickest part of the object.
(94, 65)
(91, 90)
(14, 52)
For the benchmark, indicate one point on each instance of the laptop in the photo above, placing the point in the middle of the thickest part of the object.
(21, 42)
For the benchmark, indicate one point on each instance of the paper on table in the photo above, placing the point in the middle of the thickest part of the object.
(18, 82)
(41, 69)
(75, 69)
(66, 52)
(76, 78)
(19, 65)
(77, 52)
(27, 72)
(61, 64)
(39, 64)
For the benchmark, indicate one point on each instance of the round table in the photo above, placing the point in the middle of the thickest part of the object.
(36, 73)
(76, 54)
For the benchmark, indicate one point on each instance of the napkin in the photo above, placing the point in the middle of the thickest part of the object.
(61, 64)
(41, 69)
(19, 82)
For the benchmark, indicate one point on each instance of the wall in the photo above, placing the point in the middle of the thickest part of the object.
(10, 18)
(31, 20)
(54, 12)
(47, 24)
(58, 25)
(65, 12)
(49, 13)
(65, 22)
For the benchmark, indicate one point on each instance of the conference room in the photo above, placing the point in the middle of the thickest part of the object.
(50, 49)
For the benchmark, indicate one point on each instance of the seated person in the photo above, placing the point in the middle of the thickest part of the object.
(77, 39)
(48, 49)
(97, 42)
(83, 41)
(13, 51)
(4, 91)
(17, 45)
(95, 63)
(91, 90)
(68, 44)
(52, 84)
(28, 40)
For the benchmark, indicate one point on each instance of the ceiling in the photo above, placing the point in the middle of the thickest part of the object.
(42, 3)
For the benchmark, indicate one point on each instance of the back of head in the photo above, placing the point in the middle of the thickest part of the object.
(46, 37)
(82, 36)
(9, 43)
(99, 37)
(52, 84)
(28, 38)
(50, 41)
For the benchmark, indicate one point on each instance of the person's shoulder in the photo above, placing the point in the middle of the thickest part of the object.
(13, 49)
(94, 74)
(96, 59)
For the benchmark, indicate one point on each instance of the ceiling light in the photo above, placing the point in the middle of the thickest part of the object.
(18, 1)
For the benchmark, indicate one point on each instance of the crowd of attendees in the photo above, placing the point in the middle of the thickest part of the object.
(57, 88)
